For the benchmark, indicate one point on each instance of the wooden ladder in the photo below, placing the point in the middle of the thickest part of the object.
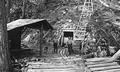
(87, 11)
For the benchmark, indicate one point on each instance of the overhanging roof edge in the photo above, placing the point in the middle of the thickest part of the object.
(23, 22)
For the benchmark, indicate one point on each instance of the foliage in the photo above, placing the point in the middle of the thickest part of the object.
(101, 24)
(37, 8)
(55, 11)
(59, 12)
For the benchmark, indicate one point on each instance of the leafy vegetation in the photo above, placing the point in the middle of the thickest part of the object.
(59, 12)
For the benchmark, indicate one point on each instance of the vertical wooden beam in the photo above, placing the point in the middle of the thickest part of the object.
(62, 41)
(23, 9)
(41, 38)
(8, 10)
(4, 53)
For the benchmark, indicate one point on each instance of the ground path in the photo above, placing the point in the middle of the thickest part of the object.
(56, 63)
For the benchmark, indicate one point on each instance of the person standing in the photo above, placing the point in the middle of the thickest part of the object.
(69, 44)
(104, 47)
(55, 45)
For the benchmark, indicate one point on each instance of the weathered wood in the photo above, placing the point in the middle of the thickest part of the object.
(95, 63)
(105, 68)
(23, 9)
(4, 54)
(52, 70)
(48, 66)
(36, 63)
(75, 59)
(111, 70)
(97, 59)
(31, 23)
(47, 33)
(103, 65)
(116, 55)
(41, 38)
(8, 10)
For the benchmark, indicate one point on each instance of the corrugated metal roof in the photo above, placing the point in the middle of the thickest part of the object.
(23, 22)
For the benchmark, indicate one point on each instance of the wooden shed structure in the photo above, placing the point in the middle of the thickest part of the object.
(15, 28)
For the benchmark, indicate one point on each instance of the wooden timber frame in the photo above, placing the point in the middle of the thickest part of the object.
(102, 65)
(41, 37)
(15, 30)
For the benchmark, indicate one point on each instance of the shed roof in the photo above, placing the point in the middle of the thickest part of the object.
(32, 23)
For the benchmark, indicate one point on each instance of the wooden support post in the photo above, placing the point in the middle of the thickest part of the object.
(4, 53)
(41, 38)
(47, 33)
(8, 10)
(23, 9)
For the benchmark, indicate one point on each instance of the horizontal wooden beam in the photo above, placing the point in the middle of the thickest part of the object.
(103, 65)
(105, 68)
(111, 70)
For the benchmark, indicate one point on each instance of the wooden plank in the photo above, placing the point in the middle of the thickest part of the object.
(94, 63)
(111, 70)
(105, 68)
(96, 59)
(36, 63)
(50, 66)
(103, 65)
(75, 59)
(52, 70)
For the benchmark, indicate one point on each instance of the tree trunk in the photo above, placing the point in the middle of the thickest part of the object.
(4, 61)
